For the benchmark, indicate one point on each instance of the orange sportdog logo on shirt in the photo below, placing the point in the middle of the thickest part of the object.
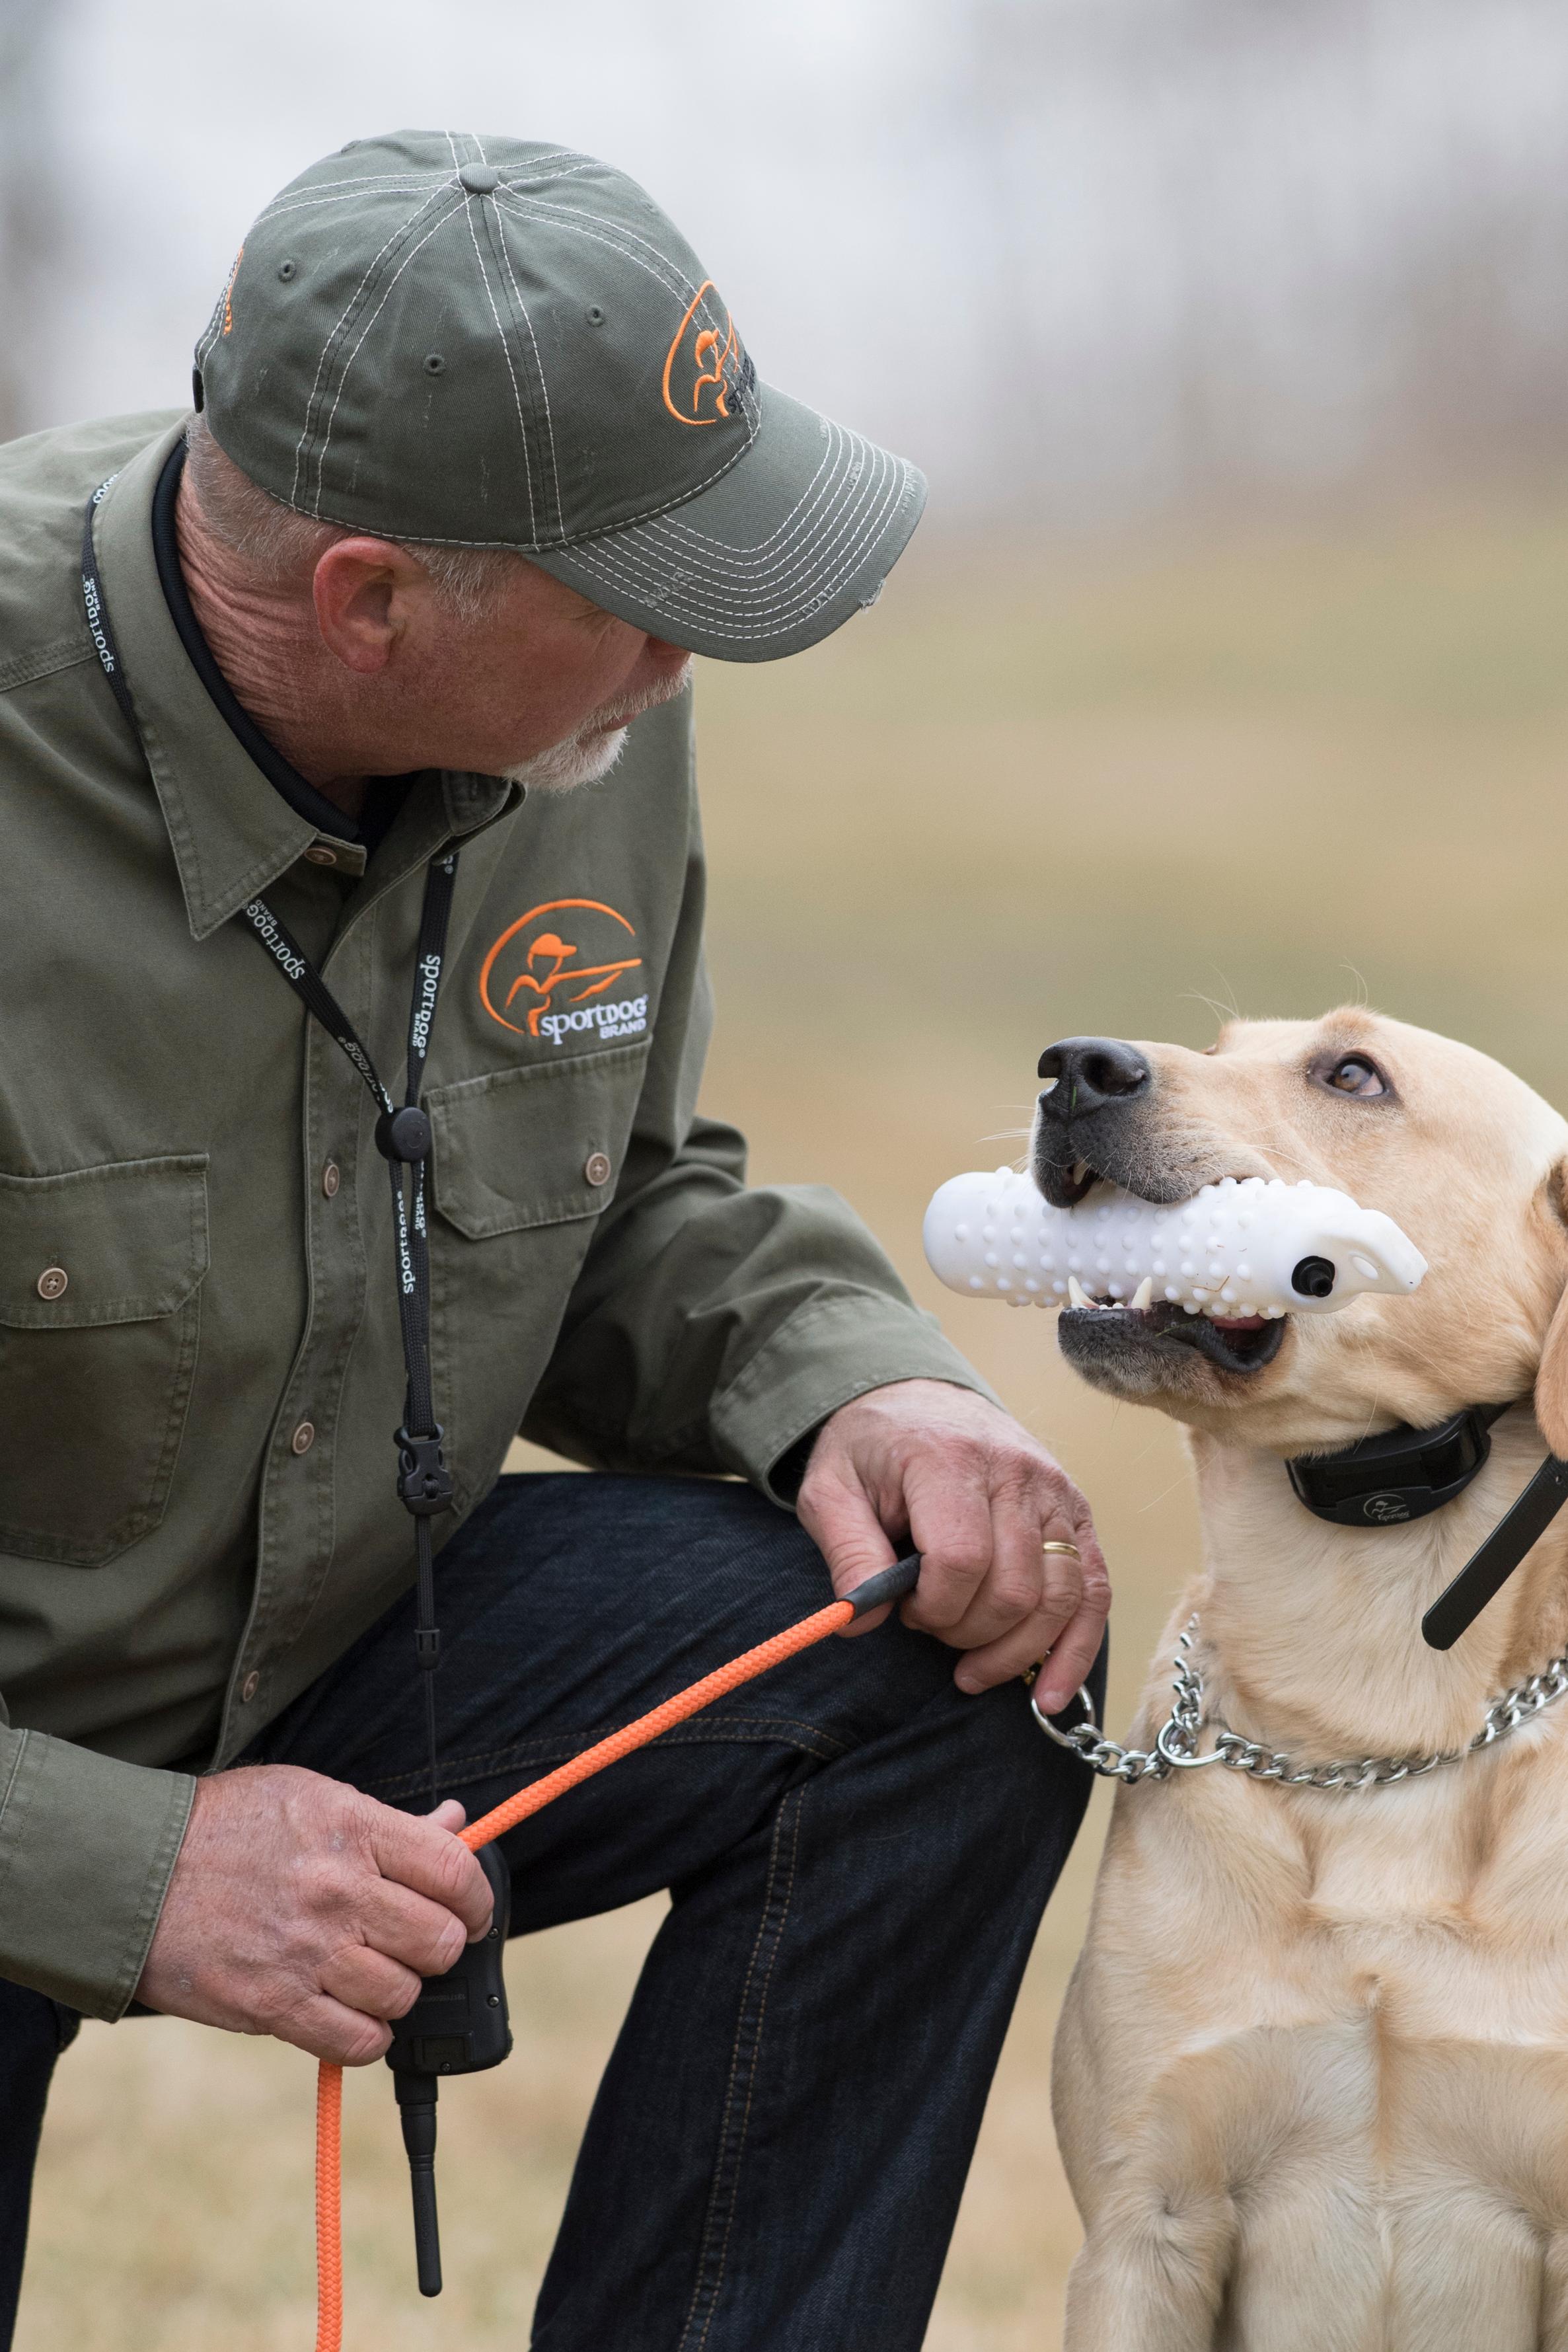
(704, 366)
(532, 964)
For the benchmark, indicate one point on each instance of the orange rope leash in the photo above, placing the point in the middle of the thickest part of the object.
(328, 2208)
(517, 1808)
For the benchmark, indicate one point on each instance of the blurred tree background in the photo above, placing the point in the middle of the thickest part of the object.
(1226, 672)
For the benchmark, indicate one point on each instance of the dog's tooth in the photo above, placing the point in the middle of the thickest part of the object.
(1143, 1296)
(1076, 1294)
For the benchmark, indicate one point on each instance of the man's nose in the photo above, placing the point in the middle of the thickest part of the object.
(1082, 1074)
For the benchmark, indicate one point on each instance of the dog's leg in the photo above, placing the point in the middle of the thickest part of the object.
(1155, 2280)
(1468, 2273)
(1227, 2197)
(1555, 2295)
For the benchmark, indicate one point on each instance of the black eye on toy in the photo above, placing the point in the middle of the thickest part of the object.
(1312, 1277)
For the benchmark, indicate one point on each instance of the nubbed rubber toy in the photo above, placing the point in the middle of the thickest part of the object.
(1242, 1247)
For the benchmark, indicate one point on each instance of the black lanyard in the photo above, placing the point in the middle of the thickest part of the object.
(402, 1139)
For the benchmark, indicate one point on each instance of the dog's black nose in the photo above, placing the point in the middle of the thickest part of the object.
(1088, 1072)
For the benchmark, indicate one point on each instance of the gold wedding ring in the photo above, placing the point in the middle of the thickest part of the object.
(1069, 1551)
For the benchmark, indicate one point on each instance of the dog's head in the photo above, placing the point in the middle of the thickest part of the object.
(1446, 1142)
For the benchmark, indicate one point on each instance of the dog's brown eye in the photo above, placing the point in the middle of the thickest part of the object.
(1357, 1075)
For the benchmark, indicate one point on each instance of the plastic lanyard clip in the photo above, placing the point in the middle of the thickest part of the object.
(424, 1480)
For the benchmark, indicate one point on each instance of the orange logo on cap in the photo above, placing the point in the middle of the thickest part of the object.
(701, 368)
(531, 960)
(229, 292)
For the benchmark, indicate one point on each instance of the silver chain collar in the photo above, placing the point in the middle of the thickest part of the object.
(1176, 1742)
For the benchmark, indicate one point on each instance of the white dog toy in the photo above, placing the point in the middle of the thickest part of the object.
(1236, 1249)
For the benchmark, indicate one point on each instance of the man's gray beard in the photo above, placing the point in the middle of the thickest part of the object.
(566, 765)
(583, 758)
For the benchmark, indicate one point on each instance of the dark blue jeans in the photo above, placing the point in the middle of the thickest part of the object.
(858, 1857)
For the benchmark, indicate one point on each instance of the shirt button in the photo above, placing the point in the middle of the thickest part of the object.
(596, 1168)
(330, 1179)
(320, 854)
(304, 1437)
(248, 1688)
(52, 1282)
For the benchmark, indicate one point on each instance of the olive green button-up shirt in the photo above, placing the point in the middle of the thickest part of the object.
(200, 1368)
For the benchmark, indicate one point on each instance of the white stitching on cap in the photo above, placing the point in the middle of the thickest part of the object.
(538, 356)
(573, 171)
(433, 230)
(506, 355)
(855, 532)
(209, 333)
(757, 553)
(676, 283)
(724, 627)
(829, 487)
(401, 229)
(634, 237)
(349, 197)
(751, 416)
(539, 368)
(811, 585)
(572, 156)
(841, 499)
(365, 180)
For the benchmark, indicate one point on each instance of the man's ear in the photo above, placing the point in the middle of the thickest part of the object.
(1551, 1377)
(362, 589)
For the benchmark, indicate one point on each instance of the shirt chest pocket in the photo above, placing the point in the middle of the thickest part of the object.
(524, 1164)
(101, 1276)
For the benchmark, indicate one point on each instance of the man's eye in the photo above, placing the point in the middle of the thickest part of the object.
(1357, 1075)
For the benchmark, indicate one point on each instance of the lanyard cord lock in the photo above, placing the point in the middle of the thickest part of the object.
(425, 1482)
(404, 1135)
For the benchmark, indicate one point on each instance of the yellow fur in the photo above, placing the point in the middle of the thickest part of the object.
(1312, 2080)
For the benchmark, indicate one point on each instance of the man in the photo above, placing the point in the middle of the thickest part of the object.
(478, 460)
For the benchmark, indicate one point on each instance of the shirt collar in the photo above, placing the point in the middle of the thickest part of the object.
(232, 827)
(301, 796)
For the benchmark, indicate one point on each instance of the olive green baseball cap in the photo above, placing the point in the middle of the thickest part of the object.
(497, 342)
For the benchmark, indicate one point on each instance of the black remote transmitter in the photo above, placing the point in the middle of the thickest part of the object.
(457, 2026)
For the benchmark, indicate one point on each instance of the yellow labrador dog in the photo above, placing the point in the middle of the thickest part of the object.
(1312, 2080)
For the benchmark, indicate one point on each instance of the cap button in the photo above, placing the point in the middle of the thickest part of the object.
(479, 178)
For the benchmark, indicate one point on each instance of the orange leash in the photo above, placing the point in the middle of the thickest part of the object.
(888, 1586)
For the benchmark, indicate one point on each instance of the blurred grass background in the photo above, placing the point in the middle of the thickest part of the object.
(1033, 794)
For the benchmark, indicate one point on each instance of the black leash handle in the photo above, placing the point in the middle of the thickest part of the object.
(888, 1584)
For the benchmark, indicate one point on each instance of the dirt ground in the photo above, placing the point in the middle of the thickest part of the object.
(1025, 798)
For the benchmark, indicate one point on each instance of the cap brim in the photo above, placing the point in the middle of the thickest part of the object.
(784, 548)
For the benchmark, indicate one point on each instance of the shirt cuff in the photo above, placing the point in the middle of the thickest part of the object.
(88, 1846)
(829, 1351)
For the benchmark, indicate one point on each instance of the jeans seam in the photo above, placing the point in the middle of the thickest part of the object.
(726, 2170)
(742, 1728)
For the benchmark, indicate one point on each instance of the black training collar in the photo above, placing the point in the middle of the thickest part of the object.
(1385, 1481)
(1382, 1482)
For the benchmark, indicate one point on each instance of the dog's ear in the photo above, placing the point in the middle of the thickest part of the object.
(1551, 1377)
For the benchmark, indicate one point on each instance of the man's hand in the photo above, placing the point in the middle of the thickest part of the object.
(977, 1497)
(300, 1908)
